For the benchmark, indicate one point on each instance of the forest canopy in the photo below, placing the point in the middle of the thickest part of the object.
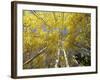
(56, 39)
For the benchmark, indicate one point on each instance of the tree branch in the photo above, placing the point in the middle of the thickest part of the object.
(40, 18)
(35, 56)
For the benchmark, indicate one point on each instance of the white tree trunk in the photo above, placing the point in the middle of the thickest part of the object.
(66, 58)
(57, 60)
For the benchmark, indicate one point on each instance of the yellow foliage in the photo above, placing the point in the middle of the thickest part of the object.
(46, 29)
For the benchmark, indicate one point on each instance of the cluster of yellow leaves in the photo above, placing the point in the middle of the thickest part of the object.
(77, 25)
(74, 22)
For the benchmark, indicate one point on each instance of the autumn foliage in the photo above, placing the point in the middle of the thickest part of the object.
(56, 39)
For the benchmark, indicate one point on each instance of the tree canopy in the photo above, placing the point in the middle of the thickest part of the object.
(56, 39)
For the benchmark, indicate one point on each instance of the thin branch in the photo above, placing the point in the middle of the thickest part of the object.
(54, 17)
(35, 56)
(40, 18)
(62, 19)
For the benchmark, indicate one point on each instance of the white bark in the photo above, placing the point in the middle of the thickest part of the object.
(57, 60)
(66, 58)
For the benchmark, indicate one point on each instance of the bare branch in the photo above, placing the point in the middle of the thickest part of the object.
(62, 19)
(54, 17)
(35, 56)
(36, 14)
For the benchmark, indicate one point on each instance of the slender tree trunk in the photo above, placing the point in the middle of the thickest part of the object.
(57, 60)
(66, 58)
